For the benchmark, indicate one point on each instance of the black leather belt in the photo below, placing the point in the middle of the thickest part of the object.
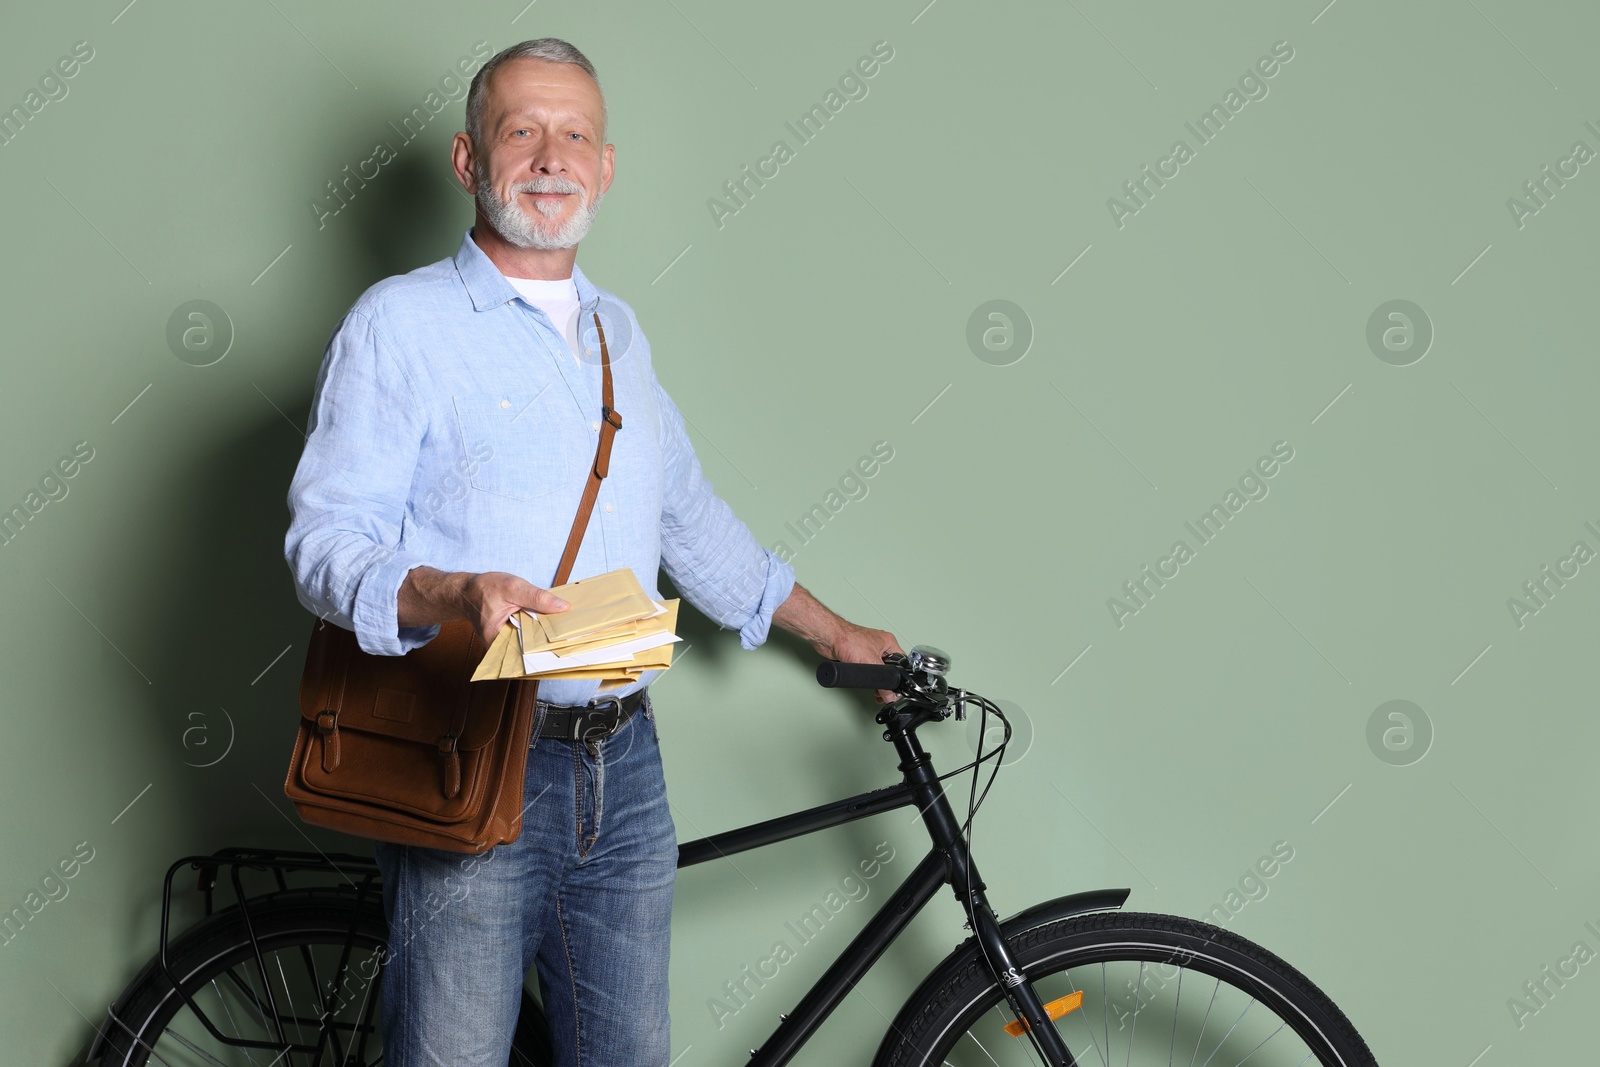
(589, 722)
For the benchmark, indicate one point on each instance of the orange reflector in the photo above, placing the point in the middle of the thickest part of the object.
(1055, 1009)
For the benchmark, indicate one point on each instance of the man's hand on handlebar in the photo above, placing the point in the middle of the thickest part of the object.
(861, 644)
(833, 637)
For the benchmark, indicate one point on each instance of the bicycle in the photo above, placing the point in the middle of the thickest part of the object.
(1073, 980)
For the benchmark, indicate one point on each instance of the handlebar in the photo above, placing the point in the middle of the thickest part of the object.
(832, 674)
(917, 680)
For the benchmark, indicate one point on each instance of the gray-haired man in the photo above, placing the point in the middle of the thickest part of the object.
(451, 431)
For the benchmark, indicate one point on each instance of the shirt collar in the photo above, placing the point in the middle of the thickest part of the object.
(488, 287)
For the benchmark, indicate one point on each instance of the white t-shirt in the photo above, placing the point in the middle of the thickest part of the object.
(558, 300)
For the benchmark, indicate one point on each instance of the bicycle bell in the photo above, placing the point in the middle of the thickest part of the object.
(930, 661)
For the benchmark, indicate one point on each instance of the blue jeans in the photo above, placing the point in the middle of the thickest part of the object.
(584, 895)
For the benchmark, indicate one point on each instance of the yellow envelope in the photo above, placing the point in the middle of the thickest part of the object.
(533, 639)
(658, 658)
(494, 659)
(511, 660)
(598, 602)
(652, 659)
(631, 668)
(504, 657)
(660, 624)
(582, 674)
(637, 665)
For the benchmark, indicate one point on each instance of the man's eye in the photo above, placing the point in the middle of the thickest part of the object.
(578, 135)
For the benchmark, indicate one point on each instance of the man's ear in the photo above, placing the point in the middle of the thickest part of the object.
(608, 166)
(462, 158)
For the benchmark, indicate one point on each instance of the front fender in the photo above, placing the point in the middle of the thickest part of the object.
(1028, 919)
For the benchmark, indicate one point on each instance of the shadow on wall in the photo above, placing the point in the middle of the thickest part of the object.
(223, 692)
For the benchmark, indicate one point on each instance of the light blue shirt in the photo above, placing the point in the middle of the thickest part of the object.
(450, 427)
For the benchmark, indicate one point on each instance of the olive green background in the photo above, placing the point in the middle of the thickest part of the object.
(144, 611)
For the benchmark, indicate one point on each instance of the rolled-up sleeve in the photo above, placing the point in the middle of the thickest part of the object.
(711, 556)
(348, 498)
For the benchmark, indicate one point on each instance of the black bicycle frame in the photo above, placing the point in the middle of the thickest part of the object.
(947, 863)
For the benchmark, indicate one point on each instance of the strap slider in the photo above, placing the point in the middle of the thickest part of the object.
(611, 415)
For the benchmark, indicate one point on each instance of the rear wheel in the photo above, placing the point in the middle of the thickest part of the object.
(1155, 989)
(309, 999)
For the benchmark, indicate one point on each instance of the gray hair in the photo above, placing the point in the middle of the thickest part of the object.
(551, 49)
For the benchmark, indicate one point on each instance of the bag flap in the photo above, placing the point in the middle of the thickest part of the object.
(414, 697)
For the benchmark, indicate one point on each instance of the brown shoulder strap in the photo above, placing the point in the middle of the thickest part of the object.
(527, 690)
(610, 423)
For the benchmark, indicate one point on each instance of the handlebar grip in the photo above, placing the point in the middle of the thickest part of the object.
(833, 674)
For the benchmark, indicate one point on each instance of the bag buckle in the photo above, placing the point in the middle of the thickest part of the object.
(327, 721)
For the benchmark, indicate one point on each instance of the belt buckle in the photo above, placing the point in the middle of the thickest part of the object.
(580, 734)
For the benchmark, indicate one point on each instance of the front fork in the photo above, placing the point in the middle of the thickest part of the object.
(1019, 992)
(968, 887)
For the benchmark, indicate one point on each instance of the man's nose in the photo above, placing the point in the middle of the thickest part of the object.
(546, 160)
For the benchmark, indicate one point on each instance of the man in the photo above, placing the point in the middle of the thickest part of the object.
(453, 424)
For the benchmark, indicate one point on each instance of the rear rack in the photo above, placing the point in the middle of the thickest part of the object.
(361, 873)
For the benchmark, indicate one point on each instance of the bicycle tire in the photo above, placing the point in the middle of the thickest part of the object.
(1073, 954)
(288, 924)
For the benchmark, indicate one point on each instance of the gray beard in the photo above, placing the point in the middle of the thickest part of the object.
(514, 224)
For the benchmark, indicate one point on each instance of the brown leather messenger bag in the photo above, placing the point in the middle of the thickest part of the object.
(406, 748)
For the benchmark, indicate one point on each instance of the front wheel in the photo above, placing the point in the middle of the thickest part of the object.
(1155, 989)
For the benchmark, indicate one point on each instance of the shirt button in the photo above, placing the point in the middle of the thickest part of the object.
(608, 507)
(505, 403)
(594, 426)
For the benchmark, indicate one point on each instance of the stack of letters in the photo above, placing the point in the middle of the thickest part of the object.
(613, 632)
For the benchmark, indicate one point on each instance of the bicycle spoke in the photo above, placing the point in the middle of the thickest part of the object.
(247, 991)
(260, 1001)
(191, 1046)
(293, 1016)
(267, 987)
(1138, 990)
(1263, 1041)
(1002, 1016)
(248, 1034)
(369, 1004)
(985, 1051)
(1177, 1002)
(329, 1030)
(266, 992)
(1088, 1028)
(1105, 1008)
(224, 1002)
(137, 1040)
(1225, 1037)
(1198, 1041)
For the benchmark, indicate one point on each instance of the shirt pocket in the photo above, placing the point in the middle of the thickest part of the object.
(513, 447)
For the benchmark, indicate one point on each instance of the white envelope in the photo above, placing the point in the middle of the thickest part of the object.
(534, 662)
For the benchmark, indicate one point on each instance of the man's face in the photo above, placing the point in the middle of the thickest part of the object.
(542, 170)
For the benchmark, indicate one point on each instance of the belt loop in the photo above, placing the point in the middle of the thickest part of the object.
(540, 711)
